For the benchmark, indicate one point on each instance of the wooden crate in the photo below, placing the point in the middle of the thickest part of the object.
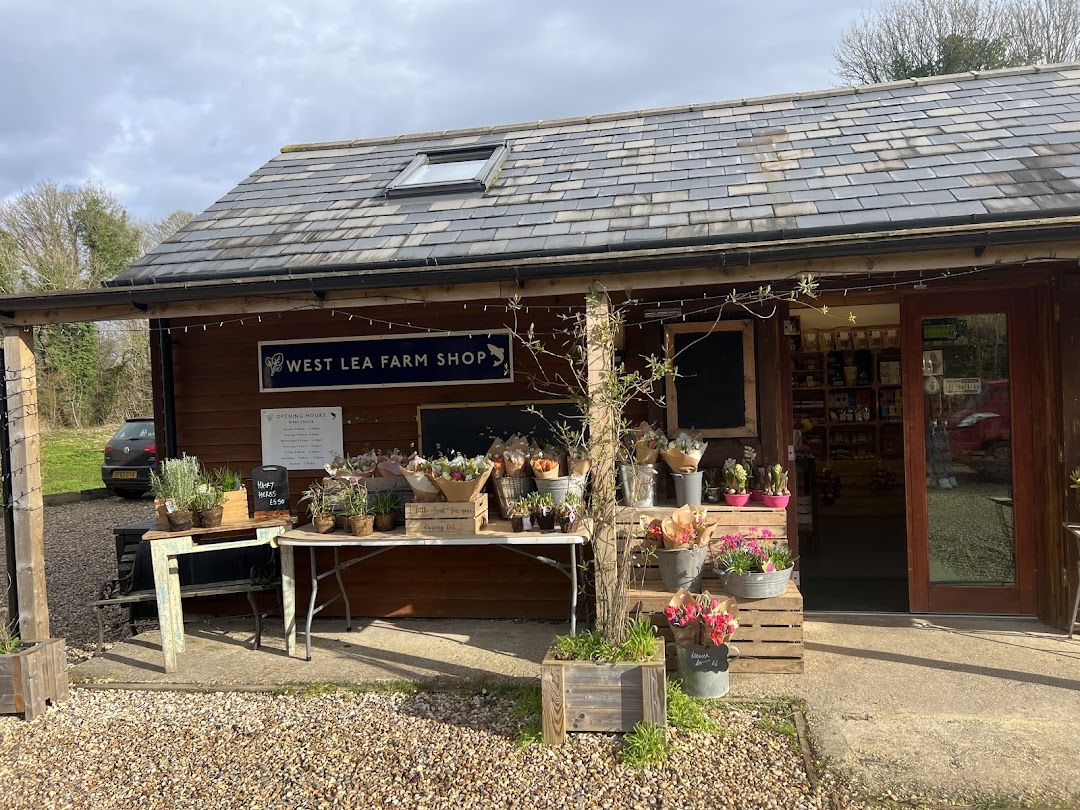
(449, 518)
(32, 677)
(770, 634)
(234, 511)
(590, 696)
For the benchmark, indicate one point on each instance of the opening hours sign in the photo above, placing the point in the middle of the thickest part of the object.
(455, 358)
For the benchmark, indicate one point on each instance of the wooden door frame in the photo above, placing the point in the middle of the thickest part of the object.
(923, 597)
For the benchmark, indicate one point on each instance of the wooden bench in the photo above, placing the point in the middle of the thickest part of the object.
(264, 578)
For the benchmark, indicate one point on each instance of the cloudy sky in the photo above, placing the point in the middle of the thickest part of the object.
(170, 104)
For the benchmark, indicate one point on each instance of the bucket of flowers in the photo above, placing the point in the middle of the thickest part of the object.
(647, 442)
(753, 565)
(460, 478)
(685, 538)
(683, 454)
(703, 626)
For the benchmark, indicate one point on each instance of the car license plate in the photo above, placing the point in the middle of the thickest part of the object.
(125, 473)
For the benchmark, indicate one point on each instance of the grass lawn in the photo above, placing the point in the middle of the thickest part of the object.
(71, 458)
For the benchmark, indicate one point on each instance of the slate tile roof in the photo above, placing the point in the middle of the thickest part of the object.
(996, 145)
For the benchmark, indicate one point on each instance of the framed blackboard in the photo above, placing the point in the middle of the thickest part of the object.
(715, 392)
(470, 427)
(271, 486)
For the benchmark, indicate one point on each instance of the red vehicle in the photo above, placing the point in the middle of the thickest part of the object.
(979, 434)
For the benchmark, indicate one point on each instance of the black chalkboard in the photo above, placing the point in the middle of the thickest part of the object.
(710, 388)
(271, 486)
(470, 428)
(708, 658)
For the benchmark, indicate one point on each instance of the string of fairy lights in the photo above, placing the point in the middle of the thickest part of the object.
(690, 306)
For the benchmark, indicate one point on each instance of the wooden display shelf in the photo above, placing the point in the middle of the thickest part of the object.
(770, 634)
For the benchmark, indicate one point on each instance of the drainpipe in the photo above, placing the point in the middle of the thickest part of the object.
(9, 504)
(168, 404)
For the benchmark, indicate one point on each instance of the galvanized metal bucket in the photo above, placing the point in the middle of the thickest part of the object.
(754, 586)
(682, 567)
(555, 487)
(704, 670)
(688, 488)
(508, 490)
(638, 483)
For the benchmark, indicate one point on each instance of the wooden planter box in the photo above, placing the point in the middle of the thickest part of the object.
(32, 677)
(234, 510)
(590, 696)
(456, 518)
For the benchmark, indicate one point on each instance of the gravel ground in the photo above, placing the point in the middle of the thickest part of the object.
(114, 749)
(80, 553)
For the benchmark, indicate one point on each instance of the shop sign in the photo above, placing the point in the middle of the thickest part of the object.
(454, 358)
(939, 329)
(961, 386)
(301, 438)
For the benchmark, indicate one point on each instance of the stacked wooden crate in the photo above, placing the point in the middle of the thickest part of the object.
(770, 635)
(446, 518)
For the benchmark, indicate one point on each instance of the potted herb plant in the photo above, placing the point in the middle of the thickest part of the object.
(176, 487)
(735, 493)
(359, 521)
(753, 566)
(776, 494)
(236, 497)
(209, 505)
(384, 506)
(684, 538)
(320, 507)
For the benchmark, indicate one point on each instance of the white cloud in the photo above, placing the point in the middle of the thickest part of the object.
(170, 105)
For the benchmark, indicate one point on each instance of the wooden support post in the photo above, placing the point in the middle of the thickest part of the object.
(604, 443)
(20, 377)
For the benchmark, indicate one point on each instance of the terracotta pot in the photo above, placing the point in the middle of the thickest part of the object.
(776, 501)
(211, 518)
(180, 520)
(385, 523)
(360, 525)
(736, 500)
(324, 524)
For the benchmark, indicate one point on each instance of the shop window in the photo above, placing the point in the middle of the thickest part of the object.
(715, 392)
(442, 171)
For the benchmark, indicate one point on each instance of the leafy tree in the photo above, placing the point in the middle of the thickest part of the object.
(915, 38)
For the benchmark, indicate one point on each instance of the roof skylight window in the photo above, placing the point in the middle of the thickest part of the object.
(456, 170)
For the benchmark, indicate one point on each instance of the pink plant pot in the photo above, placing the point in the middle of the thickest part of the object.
(736, 500)
(757, 495)
(776, 501)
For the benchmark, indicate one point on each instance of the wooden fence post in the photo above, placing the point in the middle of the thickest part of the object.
(20, 377)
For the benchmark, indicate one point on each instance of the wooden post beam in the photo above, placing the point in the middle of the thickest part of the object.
(20, 377)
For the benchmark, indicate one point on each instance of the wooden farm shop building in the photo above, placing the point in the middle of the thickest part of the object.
(876, 288)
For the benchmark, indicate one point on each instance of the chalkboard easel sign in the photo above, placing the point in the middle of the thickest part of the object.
(715, 392)
(271, 486)
(707, 658)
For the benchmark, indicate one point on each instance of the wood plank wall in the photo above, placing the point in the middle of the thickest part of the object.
(217, 400)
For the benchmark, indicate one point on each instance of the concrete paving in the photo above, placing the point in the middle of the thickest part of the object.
(959, 707)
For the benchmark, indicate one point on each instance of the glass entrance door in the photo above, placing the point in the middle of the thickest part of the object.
(969, 432)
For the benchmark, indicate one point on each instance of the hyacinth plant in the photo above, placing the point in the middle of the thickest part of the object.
(755, 472)
(756, 552)
(734, 477)
(776, 480)
(704, 620)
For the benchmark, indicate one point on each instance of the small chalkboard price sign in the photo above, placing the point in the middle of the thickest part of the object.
(707, 658)
(271, 485)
